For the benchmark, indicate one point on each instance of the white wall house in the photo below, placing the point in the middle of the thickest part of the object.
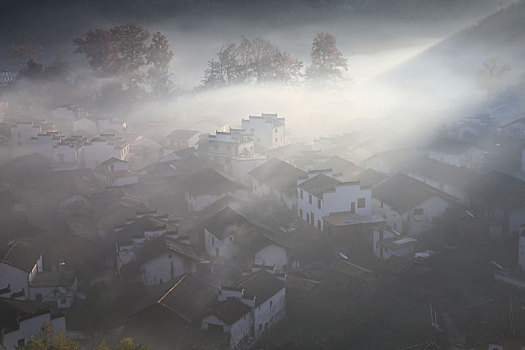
(225, 145)
(23, 320)
(278, 179)
(242, 166)
(408, 206)
(18, 267)
(274, 255)
(57, 287)
(31, 137)
(515, 129)
(387, 244)
(207, 186)
(456, 153)
(115, 173)
(320, 194)
(65, 156)
(249, 309)
(100, 149)
(268, 130)
(180, 139)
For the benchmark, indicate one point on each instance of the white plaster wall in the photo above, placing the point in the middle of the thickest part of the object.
(273, 255)
(270, 312)
(226, 248)
(165, 267)
(17, 278)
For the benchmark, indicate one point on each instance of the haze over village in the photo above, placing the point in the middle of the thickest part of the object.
(339, 174)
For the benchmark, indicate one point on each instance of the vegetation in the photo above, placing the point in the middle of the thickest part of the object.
(47, 339)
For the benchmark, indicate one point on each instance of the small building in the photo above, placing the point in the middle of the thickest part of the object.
(250, 308)
(115, 173)
(225, 145)
(278, 179)
(514, 129)
(387, 244)
(230, 235)
(20, 321)
(456, 153)
(267, 130)
(19, 265)
(409, 206)
(207, 185)
(321, 194)
(180, 139)
(390, 162)
(55, 287)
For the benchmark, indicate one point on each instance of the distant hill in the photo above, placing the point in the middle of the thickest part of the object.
(459, 57)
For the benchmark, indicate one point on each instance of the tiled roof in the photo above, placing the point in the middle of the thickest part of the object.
(319, 184)
(279, 175)
(209, 181)
(262, 284)
(403, 193)
(190, 297)
(21, 256)
(231, 310)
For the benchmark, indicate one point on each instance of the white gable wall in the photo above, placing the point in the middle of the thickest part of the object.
(273, 255)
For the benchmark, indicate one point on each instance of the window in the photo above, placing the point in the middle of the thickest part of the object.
(319, 224)
(361, 202)
(312, 218)
(63, 300)
(231, 238)
(301, 213)
(319, 203)
(271, 303)
(307, 217)
(418, 211)
(213, 241)
(352, 207)
(310, 198)
(301, 194)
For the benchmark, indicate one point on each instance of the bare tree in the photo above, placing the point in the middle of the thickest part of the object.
(491, 72)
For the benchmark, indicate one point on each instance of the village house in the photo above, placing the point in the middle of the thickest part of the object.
(408, 205)
(451, 180)
(390, 162)
(346, 169)
(277, 179)
(456, 153)
(250, 308)
(56, 287)
(180, 139)
(242, 166)
(499, 198)
(225, 145)
(19, 265)
(101, 148)
(267, 130)
(207, 185)
(230, 235)
(514, 129)
(20, 321)
(320, 194)
(387, 244)
(32, 137)
(115, 173)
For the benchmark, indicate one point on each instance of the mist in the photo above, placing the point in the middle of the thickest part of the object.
(341, 174)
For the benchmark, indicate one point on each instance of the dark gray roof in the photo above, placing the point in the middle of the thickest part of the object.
(13, 311)
(209, 181)
(53, 279)
(370, 177)
(403, 193)
(278, 175)
(231, 310)
(450, 146)
(319, 184)
(262, 284)
(226, 221)
(190, 297)
(21, 255)
(182, 134)
(338, 165)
